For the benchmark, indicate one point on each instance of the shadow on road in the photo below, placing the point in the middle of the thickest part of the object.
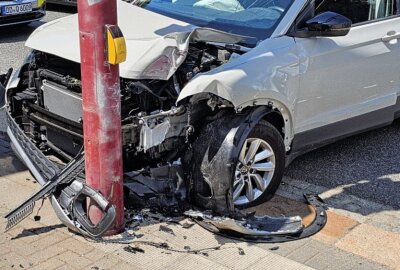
(61, 8)
(17, 33)
(9, 163)
(366, 165)
(37, 231)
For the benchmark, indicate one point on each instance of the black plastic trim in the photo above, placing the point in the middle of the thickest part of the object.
(319, 222)
(47, 168)
(316, 138)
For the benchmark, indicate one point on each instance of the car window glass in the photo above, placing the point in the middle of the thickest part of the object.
(359, 11)
(253, 18)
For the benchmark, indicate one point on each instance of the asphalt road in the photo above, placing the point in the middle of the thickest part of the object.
(12, 40)
(366, 165)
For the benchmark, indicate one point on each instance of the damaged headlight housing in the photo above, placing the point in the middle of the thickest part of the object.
(160, 68)
(14, 79)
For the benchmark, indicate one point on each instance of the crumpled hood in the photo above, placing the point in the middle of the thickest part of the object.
(156, 45)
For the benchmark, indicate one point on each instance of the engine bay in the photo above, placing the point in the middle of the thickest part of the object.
(154, 130)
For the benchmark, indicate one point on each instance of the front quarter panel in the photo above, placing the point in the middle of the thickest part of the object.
(267, 75)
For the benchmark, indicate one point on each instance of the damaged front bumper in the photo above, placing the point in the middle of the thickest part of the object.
(68, 204)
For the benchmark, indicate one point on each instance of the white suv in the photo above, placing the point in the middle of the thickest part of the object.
(227, 91)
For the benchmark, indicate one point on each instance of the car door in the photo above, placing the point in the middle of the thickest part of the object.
(350, 83)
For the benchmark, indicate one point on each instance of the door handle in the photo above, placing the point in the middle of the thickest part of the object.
(391, 36)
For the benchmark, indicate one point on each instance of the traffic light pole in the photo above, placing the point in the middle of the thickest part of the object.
(101, 108)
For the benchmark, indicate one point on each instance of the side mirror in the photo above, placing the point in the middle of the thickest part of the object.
(326, 24)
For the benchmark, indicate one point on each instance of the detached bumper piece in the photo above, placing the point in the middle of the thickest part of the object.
(71, 194)
(66, 189)
(264, 229)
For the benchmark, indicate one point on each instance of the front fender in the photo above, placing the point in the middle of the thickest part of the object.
(267, 75)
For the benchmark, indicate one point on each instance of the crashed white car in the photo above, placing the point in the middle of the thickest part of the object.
(217, 96)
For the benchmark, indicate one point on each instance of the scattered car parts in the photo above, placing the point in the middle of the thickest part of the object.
(70, 194)
(264, 229)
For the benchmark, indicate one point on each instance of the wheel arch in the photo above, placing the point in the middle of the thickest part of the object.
(216, 151)
(271, 110)
(279, 116)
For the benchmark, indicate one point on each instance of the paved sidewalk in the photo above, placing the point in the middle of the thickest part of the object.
(349, 241)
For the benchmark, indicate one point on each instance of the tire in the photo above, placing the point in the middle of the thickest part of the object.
(212, 165)
(268, 137)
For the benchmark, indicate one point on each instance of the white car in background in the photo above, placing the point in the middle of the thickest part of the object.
(227, 91)
(21, 11)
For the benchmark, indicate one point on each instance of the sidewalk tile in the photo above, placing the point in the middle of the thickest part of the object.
(152, 258)
(75, 245)
(22, 248)
(229, 255)
(67, 267)
(14, 260)
(305, 252)
(49, 239)
(4, 249)
(374, 244)
(45, 254)
(109, 261)
(284, 249)
(73, 259)
(337, 227)
(198, 262)
(50, 264)
(95, 255)
(366, 265)
(275, 262)
(332, 260)
(123, 266)
(386, 220)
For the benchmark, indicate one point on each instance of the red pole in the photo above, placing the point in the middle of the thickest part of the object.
(101, 108)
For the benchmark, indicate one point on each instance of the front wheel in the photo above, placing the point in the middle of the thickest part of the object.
(260, 166)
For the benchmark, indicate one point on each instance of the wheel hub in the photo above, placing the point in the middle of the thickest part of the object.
(245, 170)
(254, 171)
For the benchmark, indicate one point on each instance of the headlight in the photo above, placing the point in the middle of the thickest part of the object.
(159, 69)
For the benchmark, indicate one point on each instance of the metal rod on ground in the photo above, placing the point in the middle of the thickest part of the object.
(101, 108)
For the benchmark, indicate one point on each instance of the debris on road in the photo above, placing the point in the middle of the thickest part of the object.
(167, 230)
(263, 229)
(134, 250)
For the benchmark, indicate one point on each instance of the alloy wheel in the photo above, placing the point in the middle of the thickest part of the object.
(254, 171)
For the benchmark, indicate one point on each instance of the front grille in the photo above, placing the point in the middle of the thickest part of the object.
(42, 163)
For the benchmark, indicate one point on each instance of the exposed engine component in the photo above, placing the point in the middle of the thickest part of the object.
(153, 129)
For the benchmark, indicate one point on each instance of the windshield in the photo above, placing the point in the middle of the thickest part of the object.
(255, 18)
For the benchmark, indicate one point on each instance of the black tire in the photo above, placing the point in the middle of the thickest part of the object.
(213, 162)
(267, 132)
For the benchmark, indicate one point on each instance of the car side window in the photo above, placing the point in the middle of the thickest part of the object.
(359, 11)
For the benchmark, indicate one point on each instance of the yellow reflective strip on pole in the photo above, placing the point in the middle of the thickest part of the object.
(40, 3)
(116, 45)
